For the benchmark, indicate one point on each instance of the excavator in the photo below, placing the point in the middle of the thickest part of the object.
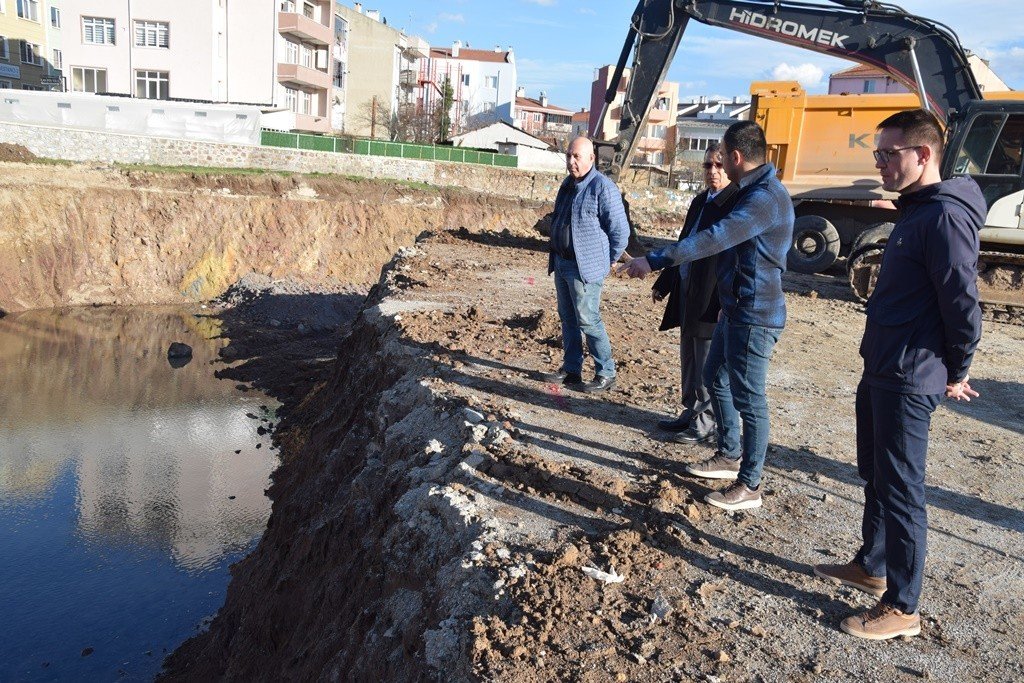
(985, 137)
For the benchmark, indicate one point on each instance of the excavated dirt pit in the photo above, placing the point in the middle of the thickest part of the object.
(413, 539)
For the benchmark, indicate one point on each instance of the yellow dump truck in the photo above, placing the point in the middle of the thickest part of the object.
(822, 146)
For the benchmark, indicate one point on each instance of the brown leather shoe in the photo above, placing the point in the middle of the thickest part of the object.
(882, 622)
(716, 467)
(853, 575)
(736, 497)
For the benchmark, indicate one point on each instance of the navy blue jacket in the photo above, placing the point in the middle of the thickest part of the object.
(752, 240)
(924, 322)
(598, 225)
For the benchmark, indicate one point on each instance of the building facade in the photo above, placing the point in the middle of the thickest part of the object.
(540, 118)
(656, 145)
(380, 73)
(864, 79)
(25, 61)
(483, 85)
(581, 124)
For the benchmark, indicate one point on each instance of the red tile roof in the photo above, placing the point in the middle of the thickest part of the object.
(581, 116)
(469, 55)
(535, 105)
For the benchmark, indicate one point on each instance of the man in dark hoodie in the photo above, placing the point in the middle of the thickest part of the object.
(923, 325)
(752, 241)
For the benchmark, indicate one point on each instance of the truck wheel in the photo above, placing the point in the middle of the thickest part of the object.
(862, 268)
(815, 245)
(876, 233)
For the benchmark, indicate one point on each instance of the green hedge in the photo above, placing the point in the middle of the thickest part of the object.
(321, 143)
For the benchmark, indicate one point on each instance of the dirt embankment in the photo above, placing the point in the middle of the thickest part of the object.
(412, 539)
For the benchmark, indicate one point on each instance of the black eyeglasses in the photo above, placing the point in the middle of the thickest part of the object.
(708, 165)
(882, 156)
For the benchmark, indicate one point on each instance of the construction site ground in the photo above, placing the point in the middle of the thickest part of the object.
(560, 480)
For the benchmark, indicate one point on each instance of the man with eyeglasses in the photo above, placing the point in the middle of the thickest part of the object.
(693, 305)
(923, 326)
(752, 240)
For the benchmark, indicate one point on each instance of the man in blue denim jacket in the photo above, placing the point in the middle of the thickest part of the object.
(589, 232)
(752, 241)
(923, 326)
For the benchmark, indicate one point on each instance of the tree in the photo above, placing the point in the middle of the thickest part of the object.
(376, 116)
(444, 124)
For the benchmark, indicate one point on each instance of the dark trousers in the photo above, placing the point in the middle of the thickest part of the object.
(693, 352)
(892, 442)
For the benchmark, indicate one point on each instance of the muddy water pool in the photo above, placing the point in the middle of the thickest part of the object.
(122, 499)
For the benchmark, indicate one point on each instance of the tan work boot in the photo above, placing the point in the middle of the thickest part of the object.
(716, 467)
(735, 497)
(882, 622)
(853, 575)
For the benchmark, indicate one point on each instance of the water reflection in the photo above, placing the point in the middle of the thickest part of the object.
(122, 500)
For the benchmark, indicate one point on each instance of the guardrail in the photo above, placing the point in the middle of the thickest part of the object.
(404, 150)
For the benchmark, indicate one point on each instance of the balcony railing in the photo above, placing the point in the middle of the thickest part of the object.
(304, 28)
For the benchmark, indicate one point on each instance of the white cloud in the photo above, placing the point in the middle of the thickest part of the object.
(808, 75)
(445, 16)
(545, 3)
(586, 10)
(431, 27)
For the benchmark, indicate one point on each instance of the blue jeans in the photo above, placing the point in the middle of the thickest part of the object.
(892, 442)
(579, 308)
(736, 371)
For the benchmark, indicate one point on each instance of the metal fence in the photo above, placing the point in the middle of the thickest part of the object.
(323, 143)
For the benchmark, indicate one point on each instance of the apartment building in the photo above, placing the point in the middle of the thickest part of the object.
(542, 119)
(483, 82)
(864, 79)
(380, 73)
(656, 145)
(581, 124)
(25, 61)
(703, 121)
(271, 54)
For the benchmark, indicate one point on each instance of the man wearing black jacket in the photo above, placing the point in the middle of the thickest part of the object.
(693, 307)
(923, 325)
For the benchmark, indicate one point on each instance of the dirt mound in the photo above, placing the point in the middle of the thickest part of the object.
(15, 153)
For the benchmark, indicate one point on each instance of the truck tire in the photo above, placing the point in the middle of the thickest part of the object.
(815, 245)
(862, 268)
(876, 233)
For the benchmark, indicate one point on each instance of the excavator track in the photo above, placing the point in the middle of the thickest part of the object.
(1000, 281)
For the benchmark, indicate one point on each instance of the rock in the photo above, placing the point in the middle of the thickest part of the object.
(660, 607)
(472, 416)
(179, 350)
(434, 446)
(723, 657)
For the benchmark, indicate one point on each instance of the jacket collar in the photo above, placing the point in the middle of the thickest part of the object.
(756, 176)
(723, 195)
(581, 185)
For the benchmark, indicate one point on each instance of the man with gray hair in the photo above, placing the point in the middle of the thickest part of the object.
(589, 232)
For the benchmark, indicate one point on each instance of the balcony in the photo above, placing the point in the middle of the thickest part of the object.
(408, 78)
(659, 116)
(413, 47)
(312, 124)
(303, 76)
(304, 28)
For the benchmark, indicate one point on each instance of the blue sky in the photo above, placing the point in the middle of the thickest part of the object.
(559, 43)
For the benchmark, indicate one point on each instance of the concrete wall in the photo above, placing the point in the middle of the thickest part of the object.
(80, 145)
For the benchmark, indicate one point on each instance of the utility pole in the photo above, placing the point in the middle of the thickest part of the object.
(373, 117)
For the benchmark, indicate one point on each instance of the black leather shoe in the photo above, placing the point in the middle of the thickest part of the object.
(599, 384)
(680, 424)
(692, 437)
(562, 377)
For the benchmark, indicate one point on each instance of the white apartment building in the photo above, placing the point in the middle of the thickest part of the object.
(271, 53)
(484, 84)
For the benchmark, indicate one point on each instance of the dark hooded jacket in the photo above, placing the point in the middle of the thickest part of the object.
(923, 318)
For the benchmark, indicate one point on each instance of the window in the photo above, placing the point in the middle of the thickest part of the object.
(537, 117)
(5, 50)
(488, 107)
(658, 132)
(490, 81)
(308, 10)
(3, 10)
(291, 52)
(152, 34)
(31, 53)
(152, 85)
(307, 102)
(339, 74)
(88, 79)
(97, 31)
(55, 17)
(58, 59)
(307, 57)
(26, 86)
(4, 85)
(291, 99)
(287, 5)
(465, 79)
(28, 9)
(869, 86)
